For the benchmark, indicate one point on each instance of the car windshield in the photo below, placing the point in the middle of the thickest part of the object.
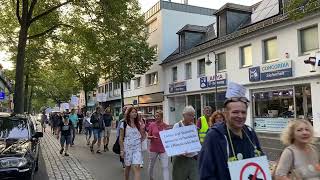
(13, 128)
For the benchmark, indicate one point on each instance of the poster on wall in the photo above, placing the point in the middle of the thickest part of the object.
(270, 124)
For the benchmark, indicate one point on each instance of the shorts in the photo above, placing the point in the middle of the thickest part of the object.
(97, 133)
(65, 139)
(107, 131)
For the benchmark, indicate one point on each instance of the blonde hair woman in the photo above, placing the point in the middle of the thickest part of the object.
(300, 157)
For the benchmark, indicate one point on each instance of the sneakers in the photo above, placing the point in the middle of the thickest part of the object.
(61, 151)
(66, 154)
(98, 152)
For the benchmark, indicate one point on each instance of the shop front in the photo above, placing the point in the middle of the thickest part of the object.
(273, 108)
(277, 100)
(149, 104)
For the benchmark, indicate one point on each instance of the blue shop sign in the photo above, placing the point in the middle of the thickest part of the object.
(178, 87)
(2, 95)
(209, 81)
(277, 70)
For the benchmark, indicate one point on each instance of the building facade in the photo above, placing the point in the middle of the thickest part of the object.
(163, 21)
(266, 55)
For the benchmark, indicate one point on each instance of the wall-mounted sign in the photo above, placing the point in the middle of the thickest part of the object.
(178, 87)
(209, 81)
(150, 98)
(270, 71)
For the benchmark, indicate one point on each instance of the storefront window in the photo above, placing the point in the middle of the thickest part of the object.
(273, 109)
(209, 100)
(195, 102)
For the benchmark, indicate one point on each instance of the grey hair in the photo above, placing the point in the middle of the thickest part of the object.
(188, 109)
(207, 107)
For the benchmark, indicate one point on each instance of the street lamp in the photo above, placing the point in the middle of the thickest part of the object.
(208, 62)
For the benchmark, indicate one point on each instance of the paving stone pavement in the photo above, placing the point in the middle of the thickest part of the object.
(58, 166)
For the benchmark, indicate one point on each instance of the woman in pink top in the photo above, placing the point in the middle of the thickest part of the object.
(156, 147)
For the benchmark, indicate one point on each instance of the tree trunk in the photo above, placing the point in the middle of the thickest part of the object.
(86, 98)
(122, 95)
(18, 88)
(26, 92)
(30, 100)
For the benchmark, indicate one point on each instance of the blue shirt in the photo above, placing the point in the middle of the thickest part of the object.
(74, 119)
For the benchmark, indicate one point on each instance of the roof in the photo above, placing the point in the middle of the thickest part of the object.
(193, 28)
(234, 7)
(210, 35)
(178, 7)
(227, 38)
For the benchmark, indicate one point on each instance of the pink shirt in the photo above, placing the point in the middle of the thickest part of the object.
(156, 144)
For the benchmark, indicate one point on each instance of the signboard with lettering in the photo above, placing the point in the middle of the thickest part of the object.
(209, 81)
(180, 140)
(270, 71)
(270, 124)
(178, 87)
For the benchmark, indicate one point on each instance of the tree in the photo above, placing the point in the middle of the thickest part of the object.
(298, 9)
(121, 40)
(25, 18)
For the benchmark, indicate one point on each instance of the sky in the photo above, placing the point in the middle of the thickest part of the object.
(214, 4)
(147, 4)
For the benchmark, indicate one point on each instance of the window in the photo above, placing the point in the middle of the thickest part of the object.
(128, 85)
(201, 67)
(156, 50)
(309, 39)
(137, 82)
(246, 56)
(152, 79)
(270, 50)
(221, 57)
(152, 26)
(174, 74)
(188, 71)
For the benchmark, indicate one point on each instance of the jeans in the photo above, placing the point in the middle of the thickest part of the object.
(164, 164)
(97, 134)
(88, 132)
(73, 130)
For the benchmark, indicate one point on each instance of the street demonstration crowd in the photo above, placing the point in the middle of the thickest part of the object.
(223, 135)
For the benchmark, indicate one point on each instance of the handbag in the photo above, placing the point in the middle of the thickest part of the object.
(116, 146)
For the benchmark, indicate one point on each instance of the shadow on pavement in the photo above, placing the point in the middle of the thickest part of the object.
(42, 172)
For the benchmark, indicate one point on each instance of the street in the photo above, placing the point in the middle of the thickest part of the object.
(106, 165)
(100, 166)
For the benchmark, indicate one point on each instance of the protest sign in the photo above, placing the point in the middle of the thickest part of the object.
(253, 168)
(180, 140)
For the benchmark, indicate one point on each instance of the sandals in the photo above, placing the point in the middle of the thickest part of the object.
(61, 151)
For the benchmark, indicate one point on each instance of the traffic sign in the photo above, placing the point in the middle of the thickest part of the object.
(2, 95)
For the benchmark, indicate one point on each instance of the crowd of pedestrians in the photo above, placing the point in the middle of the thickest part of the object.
(223, 135)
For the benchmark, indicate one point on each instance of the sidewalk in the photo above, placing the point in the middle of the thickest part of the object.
(58, 166)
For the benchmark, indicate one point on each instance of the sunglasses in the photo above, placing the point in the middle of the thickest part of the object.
(236, 99)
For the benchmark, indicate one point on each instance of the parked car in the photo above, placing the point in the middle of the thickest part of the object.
(19, 146)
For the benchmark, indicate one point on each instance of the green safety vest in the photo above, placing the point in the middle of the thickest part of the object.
(204, 128)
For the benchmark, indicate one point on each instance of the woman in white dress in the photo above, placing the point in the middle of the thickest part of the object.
(131, 136)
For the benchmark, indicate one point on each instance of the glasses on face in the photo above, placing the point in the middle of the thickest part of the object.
(236, 99)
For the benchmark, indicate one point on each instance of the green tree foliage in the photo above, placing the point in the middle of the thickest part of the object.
(298, 9)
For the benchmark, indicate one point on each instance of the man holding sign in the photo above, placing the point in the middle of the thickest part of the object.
(185, 165)
(229, 142)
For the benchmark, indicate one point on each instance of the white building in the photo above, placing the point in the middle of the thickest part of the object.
(163, 20)
(258, 47)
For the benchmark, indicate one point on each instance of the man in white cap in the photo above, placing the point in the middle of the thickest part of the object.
(231, 141)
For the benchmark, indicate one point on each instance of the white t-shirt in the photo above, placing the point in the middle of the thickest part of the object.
(180, 124)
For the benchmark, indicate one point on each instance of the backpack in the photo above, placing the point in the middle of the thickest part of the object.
(116, 145)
